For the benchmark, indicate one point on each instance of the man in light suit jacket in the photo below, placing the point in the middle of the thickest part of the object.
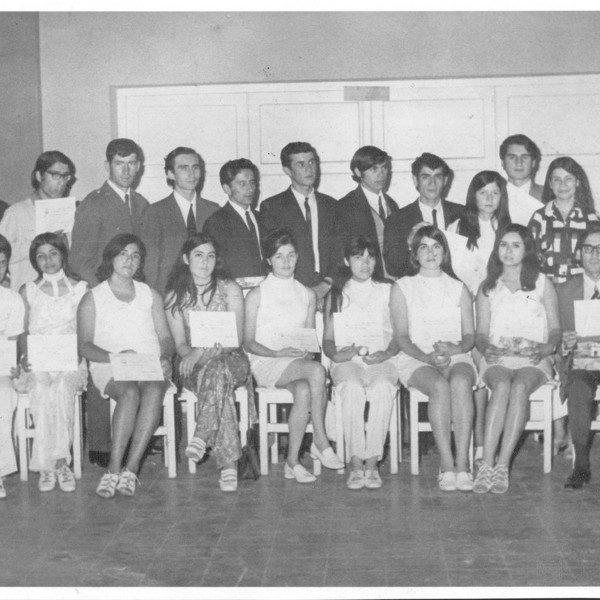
(114, 208)
(307, 214)
(169, 222)
(431, 176)
(365, 210)
(235, 227)
(580, 376)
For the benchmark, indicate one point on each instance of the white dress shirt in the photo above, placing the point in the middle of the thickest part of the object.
(427, 212)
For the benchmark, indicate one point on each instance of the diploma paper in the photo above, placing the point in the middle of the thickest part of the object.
(527, 327)
(522, 207)
(8, 356)
(52, 352)
(54, 215)
(210, 328)
(362, 329)
(302, 338)
(130, 366)
(587, 318)
(435, 325)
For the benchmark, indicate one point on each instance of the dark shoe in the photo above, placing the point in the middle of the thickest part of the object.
(99, 458)
(578, 478)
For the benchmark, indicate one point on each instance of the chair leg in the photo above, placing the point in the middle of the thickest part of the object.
(241, 397)
(169, 443)
(22, 435)
(77, 443)
(394, 439)
(190, 409)
(339, 429)
(273, 419)
(263, 435)
(414, 433)
(548, 398)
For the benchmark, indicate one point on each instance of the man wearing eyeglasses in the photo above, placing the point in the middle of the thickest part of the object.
(580, 361)
(52, 177)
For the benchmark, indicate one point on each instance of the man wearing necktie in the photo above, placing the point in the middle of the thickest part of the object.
(307, 214)
(114, 208)
(169, 222)
(431, 176)
(235, 227)
(580, 374)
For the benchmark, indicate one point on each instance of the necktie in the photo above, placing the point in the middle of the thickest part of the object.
(308, 216)
(127, 203)
(596, 294)
(434, 215)
(382, 214)
(252, 229)
(191, 222)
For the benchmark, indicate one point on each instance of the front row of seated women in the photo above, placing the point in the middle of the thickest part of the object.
(427, 335)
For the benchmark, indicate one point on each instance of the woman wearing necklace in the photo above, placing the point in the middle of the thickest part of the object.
(122, 314)
(515, 300)
(195, 284)
(51, 303)
(277, 305)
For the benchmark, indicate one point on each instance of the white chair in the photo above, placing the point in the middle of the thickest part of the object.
(26, 433)
(191, 402)
(541, 404)
(166, 430)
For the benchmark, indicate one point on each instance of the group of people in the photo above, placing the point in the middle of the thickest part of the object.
(472, 304)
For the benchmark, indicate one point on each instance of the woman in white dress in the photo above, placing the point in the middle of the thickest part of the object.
(122, 314)
(280, 304)
(486, 212)
(360, 376)
(432, 314)
(515, 304)
(51, 303)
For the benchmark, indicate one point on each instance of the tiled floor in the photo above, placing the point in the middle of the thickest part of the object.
(273, 532)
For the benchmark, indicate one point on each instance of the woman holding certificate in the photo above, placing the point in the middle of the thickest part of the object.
(518, 330)
(362, 368)
(276, 310)
(432, 313)
(51, 303)
(123, 315)
(195, 287)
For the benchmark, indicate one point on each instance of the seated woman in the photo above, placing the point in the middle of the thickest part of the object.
(122, 314)
(213, 373)
(515, 297)
(51, 303)
(12, 318)
(277, 305)
(425, 302)
(360, 377)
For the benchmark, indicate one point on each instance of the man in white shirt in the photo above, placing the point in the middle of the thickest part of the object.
(169, 222)
(521, 159)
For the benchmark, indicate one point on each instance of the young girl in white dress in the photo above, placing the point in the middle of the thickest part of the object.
(280, 304)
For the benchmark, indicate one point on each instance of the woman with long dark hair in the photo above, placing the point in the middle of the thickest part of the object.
(196, 284)
(359, 373)
(518, 330)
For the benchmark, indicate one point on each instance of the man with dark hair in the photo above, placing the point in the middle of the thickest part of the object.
(307, 214)
(235, 227)
(52, 177)
(364, 210)
(431, 176)
(521, 158)
(114, 208)
(169, 222)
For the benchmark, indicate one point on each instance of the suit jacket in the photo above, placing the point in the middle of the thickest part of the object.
(397, 227)
(353, 216)
(164, 232)
(282, 211)
(101, 215)
(237, 248)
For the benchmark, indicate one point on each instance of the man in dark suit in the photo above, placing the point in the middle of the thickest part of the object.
(114, 208)
(431, 176)
(307, 214)
(365, 209)
(169, 222)
(235, 226)
(580, 376)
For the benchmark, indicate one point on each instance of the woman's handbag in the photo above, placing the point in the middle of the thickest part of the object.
(249, 464)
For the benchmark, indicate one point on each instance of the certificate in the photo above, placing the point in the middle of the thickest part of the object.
(435, 325)
(210, 328)
(362, 329)
(587, 318)
(302, 338)
(52, 352)
(56, 214)
(522, 326)
(521, 207)
(8, 356)
(130, 366)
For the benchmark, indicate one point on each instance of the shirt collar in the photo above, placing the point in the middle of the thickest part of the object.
(182, 201)
(239, 210)
(119, 191)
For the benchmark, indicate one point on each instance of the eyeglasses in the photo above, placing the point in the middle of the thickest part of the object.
(56, 176)
(590, 249)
